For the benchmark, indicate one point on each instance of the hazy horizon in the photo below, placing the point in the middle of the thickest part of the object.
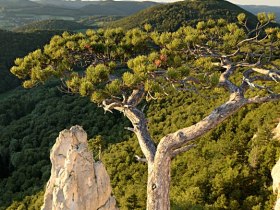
(248, 2)
(241, 2)
(256, 2)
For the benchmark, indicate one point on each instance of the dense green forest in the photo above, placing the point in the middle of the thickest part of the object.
(62, 25)
(98, 21)
(29, 124)
(14, 45)
(228, 169)
(171, 16)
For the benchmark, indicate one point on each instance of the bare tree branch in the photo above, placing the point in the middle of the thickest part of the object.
(140, 159)
(139, 122)
(258, 28)
(275, 75)
(136, 97)
(130, 129)
(224, 79)
(259, 100)
(109, 105)
(182, 149)
(183, 136)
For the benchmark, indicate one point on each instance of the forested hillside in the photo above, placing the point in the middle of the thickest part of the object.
(228, 169)
(56, 25)
(170, 17)
(14, 45)
(30, 122)
(119, 8)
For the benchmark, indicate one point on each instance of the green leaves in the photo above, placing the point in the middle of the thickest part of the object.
(148, 27)
(97, 74)
(272, 34)
(266, 17)
(204, 63)
(201, 25)
(114, 87)
(233, 36)
(130, 79)
(241, 18)
(141, 65)
(271, 17)
(74, 83)
(98, 96)
(113, 62)
(86, 87)
(173, 74)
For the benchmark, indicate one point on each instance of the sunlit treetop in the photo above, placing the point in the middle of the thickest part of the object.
(110, 65)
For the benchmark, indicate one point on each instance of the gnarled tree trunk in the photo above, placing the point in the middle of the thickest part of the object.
(158, 186)
(159, 157)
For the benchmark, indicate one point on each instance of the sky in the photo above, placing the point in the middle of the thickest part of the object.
(257, 2)
(244, 2)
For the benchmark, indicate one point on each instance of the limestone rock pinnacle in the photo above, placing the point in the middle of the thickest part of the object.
(77, 182)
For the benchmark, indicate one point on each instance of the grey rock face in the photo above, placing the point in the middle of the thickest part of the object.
(77, 182)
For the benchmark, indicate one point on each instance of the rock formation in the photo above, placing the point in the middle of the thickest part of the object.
(276, 131)
(77, 182)
(275, 173)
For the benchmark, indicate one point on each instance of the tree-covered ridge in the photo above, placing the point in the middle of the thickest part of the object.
(14, 45)
(120, 70)
(169, 17)
(57, 25)
(98, 21)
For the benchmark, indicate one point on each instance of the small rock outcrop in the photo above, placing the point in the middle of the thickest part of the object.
(275, 172)
(76, 182)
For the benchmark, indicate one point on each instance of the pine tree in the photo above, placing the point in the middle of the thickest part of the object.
(121, 70)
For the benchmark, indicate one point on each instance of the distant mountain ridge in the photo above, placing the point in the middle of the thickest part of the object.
(255, 9)
(16, 13)
(17, 3)
(95, 8)
(122, 8)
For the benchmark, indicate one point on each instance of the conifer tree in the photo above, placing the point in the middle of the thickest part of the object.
(121, 70)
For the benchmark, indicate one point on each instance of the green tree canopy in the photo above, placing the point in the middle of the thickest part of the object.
(118, 70)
